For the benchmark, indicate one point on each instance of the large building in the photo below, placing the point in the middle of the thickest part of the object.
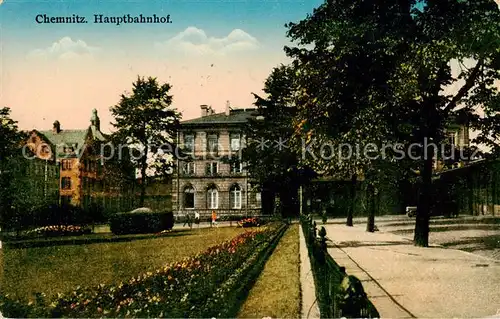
(211, 176)
(457, 136)
(77, 154)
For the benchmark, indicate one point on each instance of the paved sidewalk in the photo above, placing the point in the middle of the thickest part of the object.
(404, 281)
(310, 307)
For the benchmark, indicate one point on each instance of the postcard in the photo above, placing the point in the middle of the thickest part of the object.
(249, 159)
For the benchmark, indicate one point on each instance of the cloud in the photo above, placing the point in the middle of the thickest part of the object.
(64, 49)
(196, 42)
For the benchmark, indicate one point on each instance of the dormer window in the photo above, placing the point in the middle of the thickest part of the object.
(45, 149)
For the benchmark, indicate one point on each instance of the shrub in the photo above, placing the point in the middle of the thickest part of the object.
(141, 222)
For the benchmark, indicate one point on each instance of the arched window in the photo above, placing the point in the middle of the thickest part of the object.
(189, 197)
(235, 196)
(212, 197)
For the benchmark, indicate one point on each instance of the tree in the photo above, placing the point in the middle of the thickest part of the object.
(381, 72)
(10, 153)
(147, 125)
(271, 163)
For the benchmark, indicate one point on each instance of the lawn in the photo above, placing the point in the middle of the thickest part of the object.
(59, 269)
(276, 293)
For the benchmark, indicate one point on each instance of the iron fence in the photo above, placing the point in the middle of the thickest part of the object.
(338, 294)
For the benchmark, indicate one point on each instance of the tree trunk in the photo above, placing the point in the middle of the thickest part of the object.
(144, 166)
(352, 200)
(267, 199)
(370, 224)
(421, 237)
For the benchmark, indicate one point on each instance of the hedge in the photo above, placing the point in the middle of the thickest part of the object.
(141, 222)
(49, 215)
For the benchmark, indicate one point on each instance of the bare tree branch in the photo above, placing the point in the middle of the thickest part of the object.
(469, 83)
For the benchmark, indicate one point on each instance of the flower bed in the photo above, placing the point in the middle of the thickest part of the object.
(183, 289)
(58, 230)
(249, 222)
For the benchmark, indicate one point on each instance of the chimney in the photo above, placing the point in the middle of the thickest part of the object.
(204, 110)
(210, 110)
(228, 108)
(57, 127)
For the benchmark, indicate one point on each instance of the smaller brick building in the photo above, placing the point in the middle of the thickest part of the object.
(212, 176)
(77, 154)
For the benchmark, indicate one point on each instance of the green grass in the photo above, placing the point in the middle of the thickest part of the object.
(276, 293)
(59, 269)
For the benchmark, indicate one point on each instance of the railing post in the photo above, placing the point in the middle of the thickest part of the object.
(322, 235)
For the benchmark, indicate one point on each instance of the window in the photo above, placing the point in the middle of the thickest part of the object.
(189, 197)
(235, 141)
(236, 167)
(213, 198)
(235, 197)
(258, 197)
(212, 143)
(451, 138)
(211, 169)
(66, 183)
(188, 168)
(66, 165)
(68, 149)
(45, 149)
(189, 143)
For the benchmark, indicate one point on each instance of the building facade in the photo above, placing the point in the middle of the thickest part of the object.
(211, 176)
(77, 154)
(457, 140)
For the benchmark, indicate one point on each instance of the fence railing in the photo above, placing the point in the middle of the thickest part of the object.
(338, 294)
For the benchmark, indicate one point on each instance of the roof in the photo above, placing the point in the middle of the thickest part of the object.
(98, 134)
(235, 116)
(68, 137)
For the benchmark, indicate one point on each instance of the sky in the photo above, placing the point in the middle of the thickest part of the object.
(213, 51)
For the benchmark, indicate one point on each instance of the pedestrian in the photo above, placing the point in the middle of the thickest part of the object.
(214, 218)
(197, 219)
(187, 220)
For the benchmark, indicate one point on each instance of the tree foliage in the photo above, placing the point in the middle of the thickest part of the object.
(388, 72)
(13, 199)
(147, 125)
(274, 167)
